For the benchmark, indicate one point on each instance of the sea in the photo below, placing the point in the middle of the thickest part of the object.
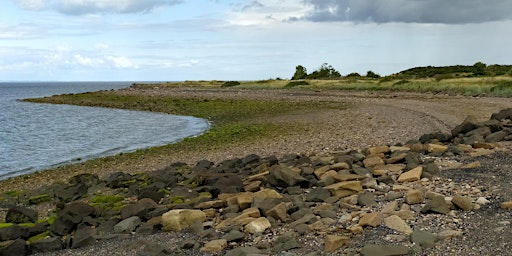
(36, 136)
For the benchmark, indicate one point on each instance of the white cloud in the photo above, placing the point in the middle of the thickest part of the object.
(81, 7)
(120, 62)
(268, 12)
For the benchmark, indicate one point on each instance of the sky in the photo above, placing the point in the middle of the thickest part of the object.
(176, 40)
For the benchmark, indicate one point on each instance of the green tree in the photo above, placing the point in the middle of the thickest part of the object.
(325, 71)
(354, 74)
(479, 68)
(300, 73)
(371, 74)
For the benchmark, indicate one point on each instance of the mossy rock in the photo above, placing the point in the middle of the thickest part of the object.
(27, 225)
(108, 201)
(177, 200)
(6, 225)
(48, 220)
(38, 237)
(39, 199)
(15, 193)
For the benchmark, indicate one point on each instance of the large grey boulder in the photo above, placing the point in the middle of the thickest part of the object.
(281, 176)
(18, 214)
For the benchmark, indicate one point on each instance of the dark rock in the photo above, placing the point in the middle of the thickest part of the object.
(300, 213)
(366, 199)
(202, 165)
(83, 237)
(496, 136)
(476, 138)
(302, 229)
(70, 192)
(127, 225)
(361, 171)
(482, 131)
(153, 249)
(119, 179)
(436, 136)
(151, 194)
(318, 195)
(251, 160)
(234, 235)
(18, 214)
(295, 190)
(265, 204)
(493, 124)
(243, 251)
(140, 209)
(16, 247)
(470, 123)
(13, 232)
(284, 243)
(230, 184)
(75, 212)
(284, 177)
(413, 160)
(62, 227)
(46, 245)
(189, 244)
(86, 179)
(327, 214)
(502, 114)
(437, 204)
(38, 228)
(384, 250)
(431, 168)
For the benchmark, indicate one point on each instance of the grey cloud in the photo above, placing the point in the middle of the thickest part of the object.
(81, 7)
(410, 11)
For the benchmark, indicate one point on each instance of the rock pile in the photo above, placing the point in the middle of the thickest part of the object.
(265, 206)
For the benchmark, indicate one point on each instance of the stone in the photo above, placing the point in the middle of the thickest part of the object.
(436, 148)
(18, 214)
(372, 219)
(384, 250)
(234, 235)
(373, 161)
(16, 247)
(318, 195)
(447, 234)
(506, 205)
(83, 237)
(502, 114)
(496, 136)
(412, 175)
(366, 199)
(280, 176)
(470, 123)
(284, 243)
(127, 225)
(462, 202)
(379, 150)
(153, 249)
(302, 229)
(437, 204)
(139, 209)
(471, 165)
(46, 245)
(258, 225)
(396, 223)
(354, 185)
(414, 196)
(482, 201)
(278, 212)
(75, 212)
(176, 220)
(214, 246)
(244, 251)
(13, 232)
(62, 227)
(267, 193)
(333, 243)
(423, 238)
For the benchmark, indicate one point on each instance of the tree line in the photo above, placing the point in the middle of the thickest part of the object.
(326, 71)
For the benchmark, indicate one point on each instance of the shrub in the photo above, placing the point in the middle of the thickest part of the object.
(230, 83)
(296, 83)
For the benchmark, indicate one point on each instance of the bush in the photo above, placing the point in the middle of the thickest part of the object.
(295, 84)
(230, 83)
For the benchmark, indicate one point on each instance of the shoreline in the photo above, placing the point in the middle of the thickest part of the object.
(368, 119)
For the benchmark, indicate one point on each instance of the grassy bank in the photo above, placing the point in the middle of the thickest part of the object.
(498, 86)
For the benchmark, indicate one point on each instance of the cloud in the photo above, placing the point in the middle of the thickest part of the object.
(268, 11)
(410, 11)
(82, 7)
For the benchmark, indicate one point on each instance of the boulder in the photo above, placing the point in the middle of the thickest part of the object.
(437, 204)
(502, 114)
(463, 202)
(318, 195)
(141, 208)
(412, 175)
(215, 246)
(176, 220)
(470, 123)
(18, 214)
(258, 225)
(16, 247)
(83, 237)
(496, 136)
(13, 232)
(86, 179)
(127, 225)
(396, 223)
(46, 245)
(423, 238)
(333, 243)
(281, 176)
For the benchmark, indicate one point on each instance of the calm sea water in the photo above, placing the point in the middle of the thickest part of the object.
(37, 136)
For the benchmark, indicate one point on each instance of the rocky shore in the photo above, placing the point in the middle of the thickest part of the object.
(440, 194)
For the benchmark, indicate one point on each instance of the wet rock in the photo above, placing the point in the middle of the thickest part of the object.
(13, 232)
(16, 247)
(86, 179)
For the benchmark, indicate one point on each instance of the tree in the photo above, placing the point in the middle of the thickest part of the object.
(354, 74)
(371, 74)
(479, 68)
(300, 73)
(325, 71)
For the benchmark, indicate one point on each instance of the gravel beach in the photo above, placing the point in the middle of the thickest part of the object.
(370, 119)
